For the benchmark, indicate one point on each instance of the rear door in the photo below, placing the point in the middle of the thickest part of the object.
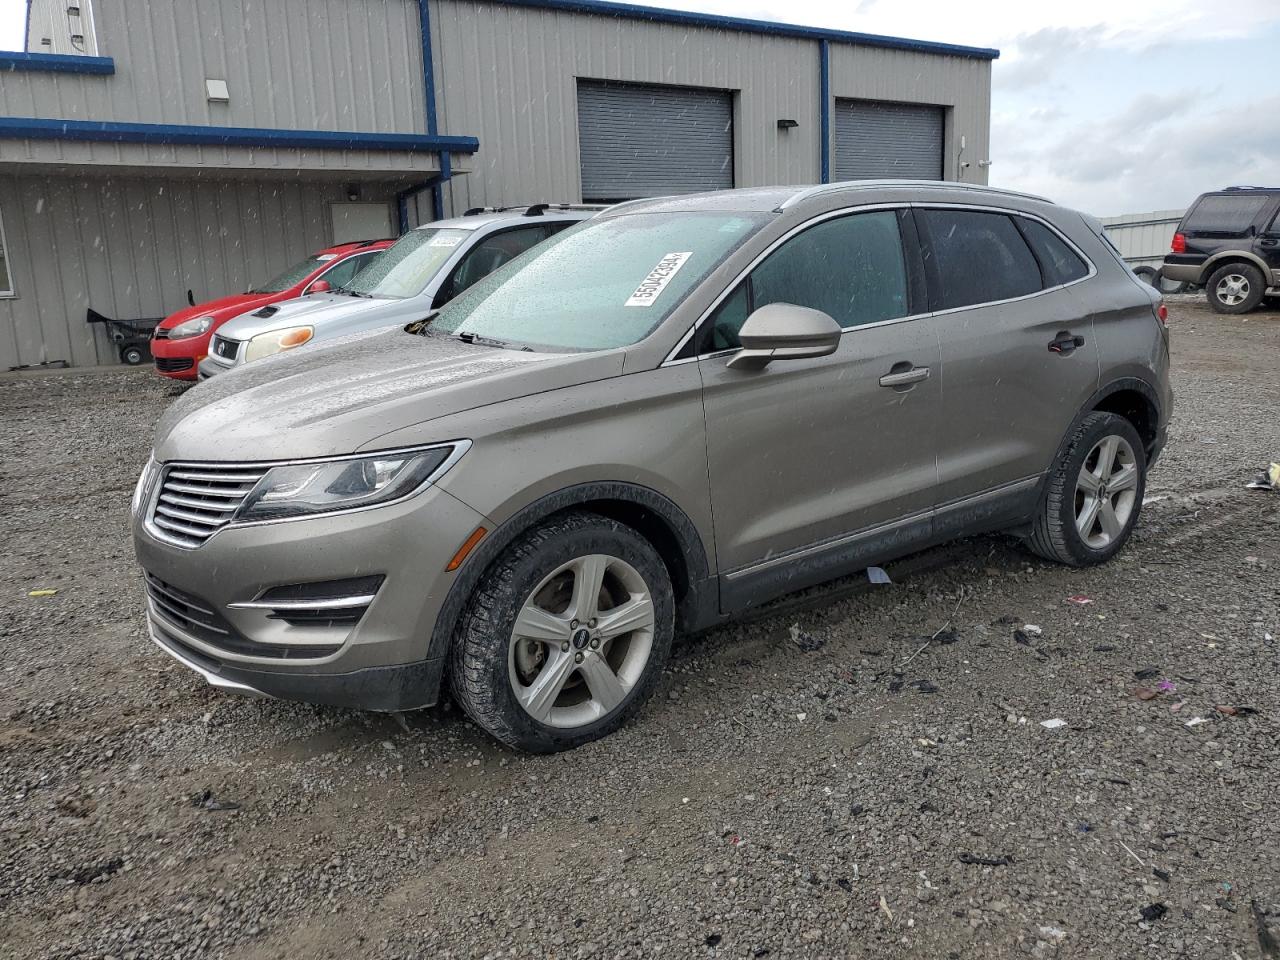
(1018, 356)
(1269, 248)
(805, 453)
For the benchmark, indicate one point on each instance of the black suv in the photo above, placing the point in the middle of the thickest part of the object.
(1229, 243)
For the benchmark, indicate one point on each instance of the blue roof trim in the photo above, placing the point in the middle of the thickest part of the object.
(717, 21)
(56, 62)
(29, 128)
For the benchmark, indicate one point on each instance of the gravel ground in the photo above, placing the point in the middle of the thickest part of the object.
(820, 782)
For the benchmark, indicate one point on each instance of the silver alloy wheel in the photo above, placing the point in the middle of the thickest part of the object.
(1106, 492)
(581, 641)
(1232, 289)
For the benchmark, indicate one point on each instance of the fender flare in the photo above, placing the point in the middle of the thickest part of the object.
(1218, 259)
(700, 601)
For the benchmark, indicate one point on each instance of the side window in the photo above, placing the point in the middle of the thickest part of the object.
(851, 268)
(976, 257)
(1058, 262)
(342, 272)
(487, 256)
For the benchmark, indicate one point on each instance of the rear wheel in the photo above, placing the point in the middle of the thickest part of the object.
(566, 635)
(133, 356)
(1235, 288)
(1094, 494)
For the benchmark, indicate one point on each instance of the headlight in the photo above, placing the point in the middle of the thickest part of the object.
(265, 344)
(191, 328)
(144, 485)
(307, 489)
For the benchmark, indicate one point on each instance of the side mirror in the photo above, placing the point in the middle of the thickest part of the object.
(320, 286)
(784, 331)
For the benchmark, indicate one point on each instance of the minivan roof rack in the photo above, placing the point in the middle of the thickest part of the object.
(1243, 187)
(815, 191)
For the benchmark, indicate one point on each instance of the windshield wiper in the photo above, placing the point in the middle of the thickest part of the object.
(481, 340)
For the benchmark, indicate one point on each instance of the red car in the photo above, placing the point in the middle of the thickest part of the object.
(181, 340)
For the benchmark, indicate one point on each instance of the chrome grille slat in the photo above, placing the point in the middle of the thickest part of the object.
(189, 517)
(181, 620)
(195, 501)
(228, 477)
(215, 505)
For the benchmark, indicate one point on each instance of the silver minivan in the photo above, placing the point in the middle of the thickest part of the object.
(420, 272)
(675, 411)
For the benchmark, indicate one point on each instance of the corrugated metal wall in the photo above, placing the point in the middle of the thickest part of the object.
(289, 64)
(1143, 237)
(961, 84)
(132, 248)
(508, 75)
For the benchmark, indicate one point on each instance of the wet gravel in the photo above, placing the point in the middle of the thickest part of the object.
(869, 775)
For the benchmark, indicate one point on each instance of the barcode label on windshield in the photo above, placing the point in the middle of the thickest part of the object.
(657, 280)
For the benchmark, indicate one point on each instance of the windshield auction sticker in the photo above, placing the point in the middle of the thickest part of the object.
(657, 280)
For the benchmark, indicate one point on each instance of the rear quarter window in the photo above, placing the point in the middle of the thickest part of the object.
(1059, 263)
(1226, 213)
(977, 257)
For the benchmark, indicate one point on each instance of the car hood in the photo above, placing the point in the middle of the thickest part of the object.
(289, 313)
(341, 397)
(220, 309)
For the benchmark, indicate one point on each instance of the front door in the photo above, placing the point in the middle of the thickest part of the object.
(813, 461)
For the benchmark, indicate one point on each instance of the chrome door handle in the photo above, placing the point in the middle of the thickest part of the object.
(905, 378)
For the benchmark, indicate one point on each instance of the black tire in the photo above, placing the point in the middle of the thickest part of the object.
(478, 670)
(133, 356)
(1168, 287)
(1148, 275)
(1251, 275)
(1053, 533)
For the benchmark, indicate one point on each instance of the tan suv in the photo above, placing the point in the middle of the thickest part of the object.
(668, 414)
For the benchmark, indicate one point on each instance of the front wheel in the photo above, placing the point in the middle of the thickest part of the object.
(566, 635)
(1094, 494)
(133, 356)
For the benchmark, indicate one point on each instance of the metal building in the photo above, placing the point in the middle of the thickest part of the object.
(203, 145)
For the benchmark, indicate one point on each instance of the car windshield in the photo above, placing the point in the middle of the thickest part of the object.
(603, 284)
(407, 266)
(294, 275)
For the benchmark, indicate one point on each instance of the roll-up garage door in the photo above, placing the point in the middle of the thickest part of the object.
(644, 141)
(887, 140)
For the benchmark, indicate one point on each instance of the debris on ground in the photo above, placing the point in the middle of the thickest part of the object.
(1031, 630)
(1147, 673)
(1146, 693)
(42, 593)
(1053, 724)
(1154, 912)
(205, 800)
(1229, 711)
(1162, 874)
(1196, 721)
(1268, 479)
(805, 640)
(877, 575)
(1080, 600)
(1003, 860)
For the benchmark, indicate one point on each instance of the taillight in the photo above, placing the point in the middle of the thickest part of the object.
(1179, 244)
(1162, 314)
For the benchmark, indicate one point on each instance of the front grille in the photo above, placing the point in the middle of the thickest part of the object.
(173, 364)
(195, 502)
(194, 617)
(327, 603)
(226, 349)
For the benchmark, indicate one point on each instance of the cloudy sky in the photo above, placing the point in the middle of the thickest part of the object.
(1111, 106)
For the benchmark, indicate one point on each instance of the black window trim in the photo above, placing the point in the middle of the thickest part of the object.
(676, 354)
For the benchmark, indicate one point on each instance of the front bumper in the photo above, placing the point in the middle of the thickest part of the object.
(210, 366)
(179, 359)
(382, 662)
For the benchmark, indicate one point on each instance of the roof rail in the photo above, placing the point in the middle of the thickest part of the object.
(534, 209)
(1230, 189)
(808, 192)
